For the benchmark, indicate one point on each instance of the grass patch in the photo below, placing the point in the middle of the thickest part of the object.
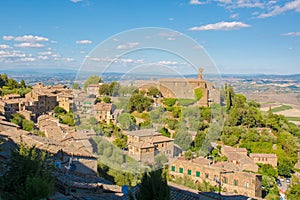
(186, 102)
(281, 108)
(295, 119)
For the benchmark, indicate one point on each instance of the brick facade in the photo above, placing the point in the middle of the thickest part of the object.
(232, 180)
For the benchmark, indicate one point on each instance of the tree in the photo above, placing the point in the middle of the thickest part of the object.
(153, 91)
(29, 176)
(139, 102)
(183, 138)
(91, 80)
(107, 99)
(104, 89)
(3, 80)
(229, 96)
(76, 86)
(267, 169)
(154, 186)
(114, 88)
(12, 84)
(126, 121)
(188, 155)
(199, 139)
(22, 122)
(22, 84)
(293, 192)
(284, 167)
(59, 110)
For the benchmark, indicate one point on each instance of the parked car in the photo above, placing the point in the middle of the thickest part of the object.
(288, 180)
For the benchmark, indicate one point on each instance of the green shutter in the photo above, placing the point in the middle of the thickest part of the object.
(173, 168)
(236, 182)
(180, 170)
(189, 172)
(197, 174)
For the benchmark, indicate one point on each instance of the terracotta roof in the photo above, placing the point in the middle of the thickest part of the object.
(11, 96)
(196, 161)
(103, 107)
(262, 155)
(226, 165)
(142, 144)
(180, 80)
(71, 147)
(142, 133)
(161, 138)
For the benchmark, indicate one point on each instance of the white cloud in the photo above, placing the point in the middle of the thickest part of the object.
(45, 53)
(196, 2)
(171, 19)
(84, 42)
(27, 59)
(249, 4)
(129, 45)
(56, 55)
(171, 38)
(67, 59)
(29, 45)
(221, 26)
(12, 54)
(4, 46)
(234, 16)
(8, 37)
(26, 38)
(43, 57)
(167, 62)
(129, 60)
(63, 59)
(291, 34)
(292, 5)
(75, 1)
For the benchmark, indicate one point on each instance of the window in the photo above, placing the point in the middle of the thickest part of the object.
(235, 182)
(189, 172)
(173, 168)
(206, 175)
(197, 174)
(225, 180)
(246, 184)
(180, 170)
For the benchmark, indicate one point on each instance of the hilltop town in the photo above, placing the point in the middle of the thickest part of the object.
(103, 135)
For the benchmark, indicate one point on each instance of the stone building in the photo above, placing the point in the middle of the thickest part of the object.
(104, 112)
(67, 149)
(40, 100)
(225, 174)
(144, 145)
(185, 88)
(93, 89)
(239, 157)
(264, 158)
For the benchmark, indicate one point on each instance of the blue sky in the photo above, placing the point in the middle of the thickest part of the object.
(243, 36)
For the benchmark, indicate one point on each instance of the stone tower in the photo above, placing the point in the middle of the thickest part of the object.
(200, 73)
